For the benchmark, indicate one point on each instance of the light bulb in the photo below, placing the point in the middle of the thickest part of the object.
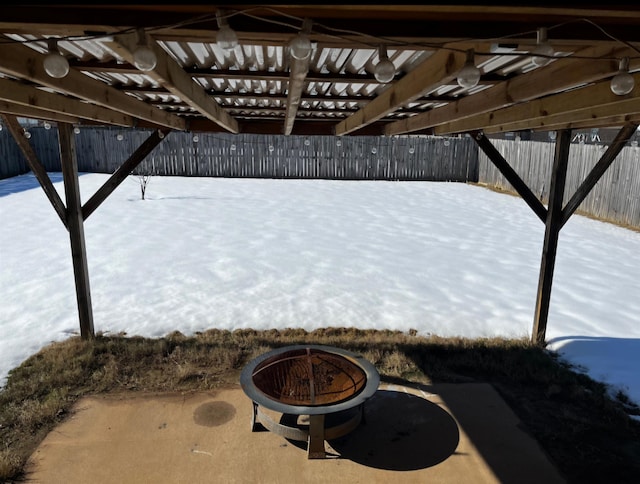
(226, 38)
(339, 143)
(160, 134)
(411, 150)
(47, 125)
(622, 83)
(384, 71)
(144, 58)
(469, 75)
(76, 130)
(55, 64)
(195, 138)
(119, 137)
(542, 49)
(271, 148)
(27, 134)
(300, 46)
(374, 150)
(539, 54)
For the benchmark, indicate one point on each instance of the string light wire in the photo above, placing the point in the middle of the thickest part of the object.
(329, 31)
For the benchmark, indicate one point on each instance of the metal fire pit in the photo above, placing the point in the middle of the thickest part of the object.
(312, 381)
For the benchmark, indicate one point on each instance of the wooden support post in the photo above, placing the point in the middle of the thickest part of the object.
(125, 170)
(553, 225)
(510, 174)
(315, 446)
(75, 224)
(37, 168)
(598, 170)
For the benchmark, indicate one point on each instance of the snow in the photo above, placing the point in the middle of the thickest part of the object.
(446, 259)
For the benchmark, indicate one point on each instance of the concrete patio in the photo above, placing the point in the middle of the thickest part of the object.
(449, 433)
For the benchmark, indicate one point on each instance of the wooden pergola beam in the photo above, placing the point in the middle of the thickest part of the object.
(558, 75)
(230, 74)
(438, 69)
(297, 75)
(21, 94)
(23, 111)
(614, 114)
(577, 103)
(23, 62)
(168, 73)
(306, 96)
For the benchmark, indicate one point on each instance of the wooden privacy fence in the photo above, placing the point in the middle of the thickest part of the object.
(615, 198)
(264, 156)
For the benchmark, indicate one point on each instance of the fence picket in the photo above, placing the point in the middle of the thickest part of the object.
(615, 198)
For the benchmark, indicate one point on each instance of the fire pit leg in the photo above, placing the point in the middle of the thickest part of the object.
(315, 447)
(255, 425)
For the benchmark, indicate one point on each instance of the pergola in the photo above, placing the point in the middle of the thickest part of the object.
(343, 70)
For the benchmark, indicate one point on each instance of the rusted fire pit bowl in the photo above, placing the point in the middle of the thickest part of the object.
(309, 380)
(313, 381)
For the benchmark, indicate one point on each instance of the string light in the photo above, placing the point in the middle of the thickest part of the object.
(469, 75)
(144, 58)
(622, 83)
(384, 71)
(226, 37)
(76, 130)
(495, 48)
(119, 137)
(55, 64)
(300, 45)
(543, 51)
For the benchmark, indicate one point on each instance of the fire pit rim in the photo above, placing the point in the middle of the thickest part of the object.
(260, 398)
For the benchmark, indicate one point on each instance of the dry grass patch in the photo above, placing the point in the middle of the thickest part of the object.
(588, 434)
